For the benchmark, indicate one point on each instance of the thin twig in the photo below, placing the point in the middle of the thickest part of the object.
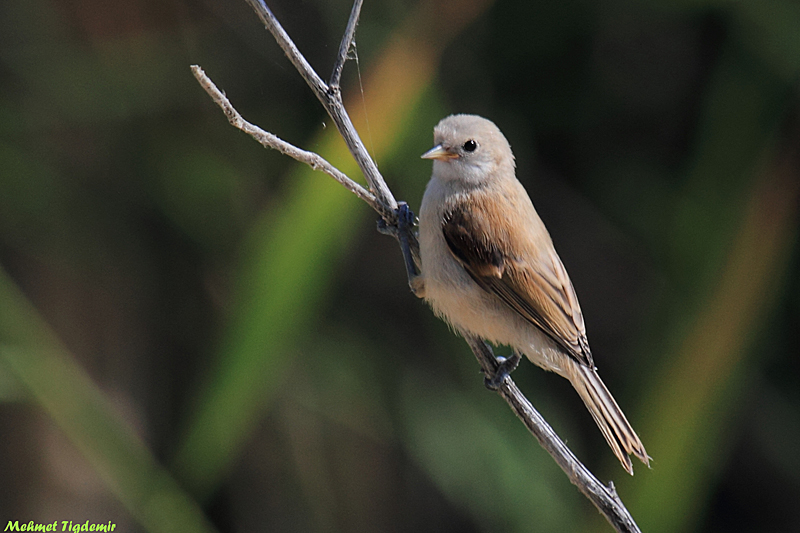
(344, 46)
(604, 498)
(332, 101)
(268, 140)
(380, 198)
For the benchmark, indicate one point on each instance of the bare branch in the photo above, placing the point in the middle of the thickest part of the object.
(268, 140)
(604, 498)
(285, 42)
(331, 99)
(380, 198)
(344, 46)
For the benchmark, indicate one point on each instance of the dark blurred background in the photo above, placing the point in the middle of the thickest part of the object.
(197, 334)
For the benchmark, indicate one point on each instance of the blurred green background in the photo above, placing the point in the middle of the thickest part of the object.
(197, 334)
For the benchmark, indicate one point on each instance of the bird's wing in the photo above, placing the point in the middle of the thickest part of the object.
(484, 254)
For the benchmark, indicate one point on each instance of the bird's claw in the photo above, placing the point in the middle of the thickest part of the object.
(386, 229)
(505, 367)
(405, 217)
(405, 220)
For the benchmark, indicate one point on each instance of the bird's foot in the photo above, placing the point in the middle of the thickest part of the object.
(505, 367)
(405, 222)
(386, 229)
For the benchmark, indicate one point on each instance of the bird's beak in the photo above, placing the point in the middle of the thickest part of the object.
(438, 152)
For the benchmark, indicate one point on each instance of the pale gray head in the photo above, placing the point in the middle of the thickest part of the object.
(470, 148)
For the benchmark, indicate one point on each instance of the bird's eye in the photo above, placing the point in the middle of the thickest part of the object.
(470, 146)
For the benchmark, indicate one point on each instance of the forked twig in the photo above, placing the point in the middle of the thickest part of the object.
(380, 198)
(348, 39)
(331, 98)
(269, 140)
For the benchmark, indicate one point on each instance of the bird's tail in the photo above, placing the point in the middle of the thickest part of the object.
(609, 417)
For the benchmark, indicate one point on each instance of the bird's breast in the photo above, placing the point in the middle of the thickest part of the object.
(449, 289)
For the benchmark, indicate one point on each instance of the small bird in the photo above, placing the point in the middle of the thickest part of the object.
(489, 268)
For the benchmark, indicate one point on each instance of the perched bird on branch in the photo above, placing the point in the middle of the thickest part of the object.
(488, 267)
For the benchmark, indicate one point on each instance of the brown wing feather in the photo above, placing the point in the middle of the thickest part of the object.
(555, 310)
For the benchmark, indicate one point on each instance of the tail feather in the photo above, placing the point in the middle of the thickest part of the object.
(609, 417)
